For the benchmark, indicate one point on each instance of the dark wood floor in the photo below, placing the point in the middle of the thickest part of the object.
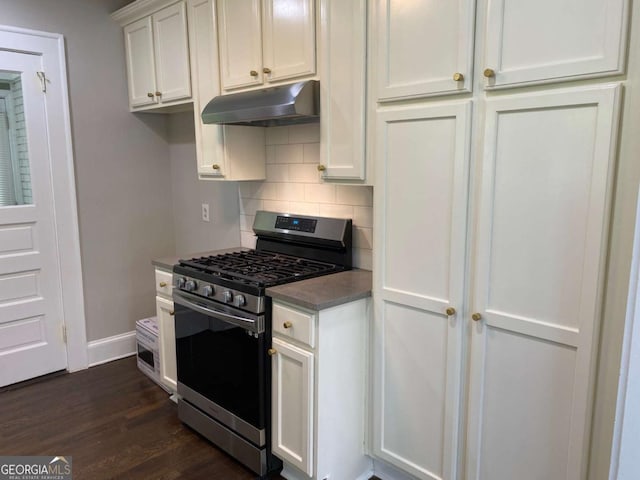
(114, 422)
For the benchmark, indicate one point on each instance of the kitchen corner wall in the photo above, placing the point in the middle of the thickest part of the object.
(294, 185)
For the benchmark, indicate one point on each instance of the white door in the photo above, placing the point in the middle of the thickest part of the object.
(422, 162)
(141, 68)
(289, 39)
(546, 175)
(423, 48)
(554, 40)
(240, 32)
(31, 316)
(292, 405)
(171, 49)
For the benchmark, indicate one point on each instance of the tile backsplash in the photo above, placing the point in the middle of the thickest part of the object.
(293, 185)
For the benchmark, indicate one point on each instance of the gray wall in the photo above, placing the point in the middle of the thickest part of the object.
(191, 233)
(122, 163)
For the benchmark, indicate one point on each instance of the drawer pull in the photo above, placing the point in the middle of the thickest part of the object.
(287, 324)
(253, 73)
(162, 284)
(450, 311)
(476, 316)
(271, 352)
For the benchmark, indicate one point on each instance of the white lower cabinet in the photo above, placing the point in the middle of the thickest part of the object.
(318, 391)
(532, 256)
(166, 327)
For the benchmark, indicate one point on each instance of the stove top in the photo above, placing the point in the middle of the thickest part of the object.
(258, 268)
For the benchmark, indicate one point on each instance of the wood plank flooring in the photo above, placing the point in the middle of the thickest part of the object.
(115, 423)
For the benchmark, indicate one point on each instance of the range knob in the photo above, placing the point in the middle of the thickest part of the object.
(239, 301)
(207, 291)
(227, 296)
(190, 286)
(180, 282)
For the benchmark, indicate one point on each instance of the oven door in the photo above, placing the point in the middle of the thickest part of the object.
(221, 363)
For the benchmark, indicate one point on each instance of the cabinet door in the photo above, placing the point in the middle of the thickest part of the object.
(554, 40)
(240, 32)
(167, 340)
(422, 46)
(292, 405)
(546, 177)
(421, 203)
(343, 88)
(138, 38)
(173, 78)
(289, 38)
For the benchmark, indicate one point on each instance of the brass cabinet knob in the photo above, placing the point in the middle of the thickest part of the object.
(321, 168)
(458, 77)
(476, 316)
(158, 94)
(450, 311)
(253, 73)
(271, 352)
(287, 324)
(489, 72)
(266, 70)
(215, 166)
(150, 95)
(172, 313)
(162, 284)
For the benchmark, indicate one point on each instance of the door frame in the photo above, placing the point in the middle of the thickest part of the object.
(50, 46)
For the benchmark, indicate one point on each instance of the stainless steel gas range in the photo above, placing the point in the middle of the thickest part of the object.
(223, 327)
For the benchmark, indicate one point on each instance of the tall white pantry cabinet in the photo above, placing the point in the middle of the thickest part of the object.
(492, 212)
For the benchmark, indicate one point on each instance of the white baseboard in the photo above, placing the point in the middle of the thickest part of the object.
(386, 471)
(111, 348)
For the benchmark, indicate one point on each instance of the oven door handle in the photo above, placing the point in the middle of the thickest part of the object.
(255, 325)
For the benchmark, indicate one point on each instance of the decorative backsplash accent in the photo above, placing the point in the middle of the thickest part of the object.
(294, 185)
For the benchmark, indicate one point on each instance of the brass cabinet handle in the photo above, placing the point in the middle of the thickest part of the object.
(215, 166)
(266, 70)
(476, 316)
(450, 311)
(287, 324)
(150, 95)
(158, 94)
(271, 352)
(172, 313)
(458, 77)
(489, 72)
(162, 284)
(253, 73)
(321, 168)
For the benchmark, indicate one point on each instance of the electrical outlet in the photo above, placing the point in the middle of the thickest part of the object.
(205, 212)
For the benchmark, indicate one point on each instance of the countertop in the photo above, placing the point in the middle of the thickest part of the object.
(326, 291)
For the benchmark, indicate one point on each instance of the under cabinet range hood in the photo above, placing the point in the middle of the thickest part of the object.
(268, 107)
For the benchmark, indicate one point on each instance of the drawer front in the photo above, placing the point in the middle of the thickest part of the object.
(292, 323)
(164, 281)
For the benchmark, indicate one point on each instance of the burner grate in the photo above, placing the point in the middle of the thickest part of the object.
(259, 268)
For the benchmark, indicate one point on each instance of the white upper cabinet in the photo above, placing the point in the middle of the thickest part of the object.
(343, 89)
(240, 33)
(553, 40)
(265, 41)
(157, 52)
(539, 261)
(289, 47)
(141, 69)
(423, 48)
(171, 49)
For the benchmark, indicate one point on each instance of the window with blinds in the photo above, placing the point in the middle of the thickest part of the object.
(7, 177)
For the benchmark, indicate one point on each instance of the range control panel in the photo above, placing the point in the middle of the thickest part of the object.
(297, 224)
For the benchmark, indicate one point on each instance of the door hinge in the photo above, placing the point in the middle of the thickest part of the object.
(64, 333)
(43, 81)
